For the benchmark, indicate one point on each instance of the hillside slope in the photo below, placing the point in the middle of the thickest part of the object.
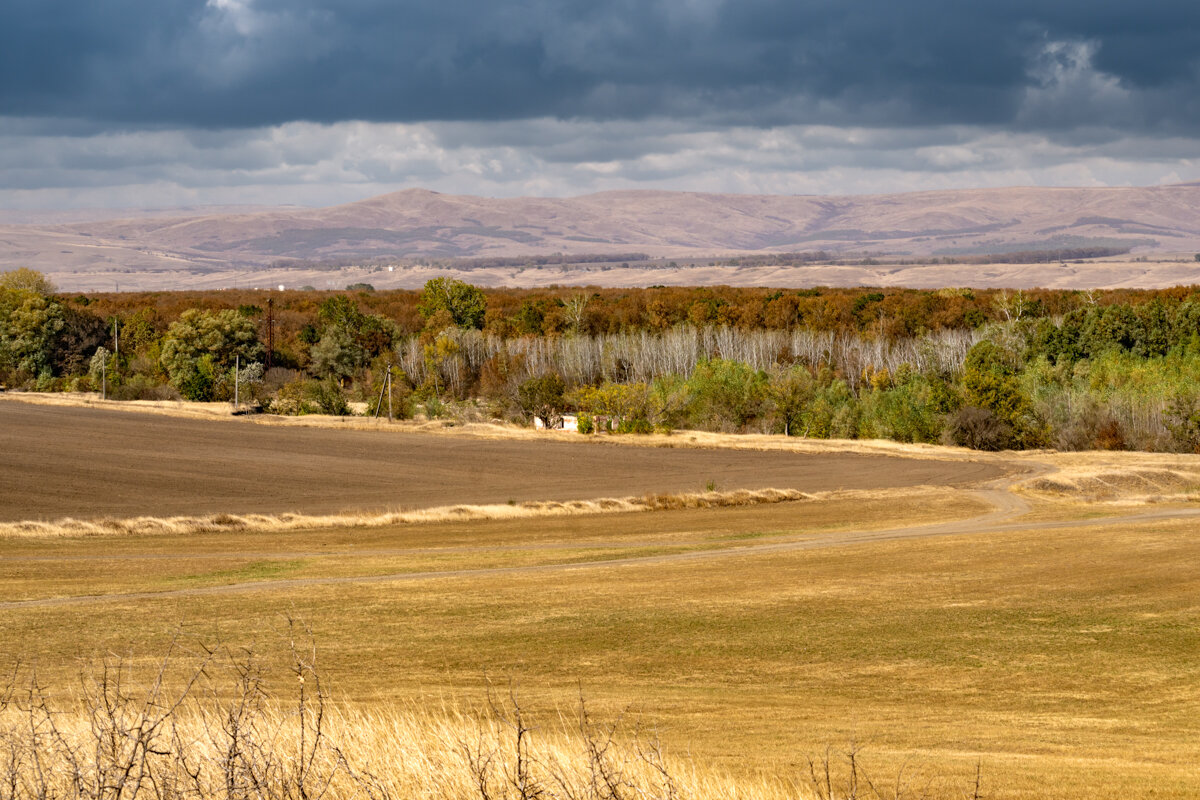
(416, 224)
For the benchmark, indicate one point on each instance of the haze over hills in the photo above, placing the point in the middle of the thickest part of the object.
(181, 250)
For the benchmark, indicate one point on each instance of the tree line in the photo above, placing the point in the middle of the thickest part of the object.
(986, 369)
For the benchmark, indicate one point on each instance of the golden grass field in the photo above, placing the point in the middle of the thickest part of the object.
(1047, 633)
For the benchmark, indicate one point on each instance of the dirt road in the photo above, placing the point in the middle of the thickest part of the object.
(85, 462)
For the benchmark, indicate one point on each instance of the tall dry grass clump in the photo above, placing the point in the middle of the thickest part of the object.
(219, 729)
(216, 523)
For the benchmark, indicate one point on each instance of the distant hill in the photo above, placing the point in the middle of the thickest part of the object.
(420, 224)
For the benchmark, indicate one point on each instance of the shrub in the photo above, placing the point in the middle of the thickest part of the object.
(289, 399)
(141, 387)
(434, 407)
(586, 423)
(329, 398)
(1182, 419)
(833, 412)
(1086, 425)
(304, 396)
(196, 380)
(1111, 435)
(979, 429)
(635, 425)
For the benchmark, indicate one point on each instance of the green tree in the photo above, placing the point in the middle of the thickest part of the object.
(726, 394)
(140, 331)
(371, 333)
(630, 404)
(337, 355)
(30, 325)
(347, 339)
(81, 334)
(201, 346)
(834, 411)
(529, 317)
(790, 392)
(542, 398)
(466, 304)
(339, 311)
(23, 279)
(1153, 330)
(990, 382)
(907, 411)
(1109, 327)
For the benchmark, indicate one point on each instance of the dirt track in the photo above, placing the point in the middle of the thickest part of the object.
(84, 462)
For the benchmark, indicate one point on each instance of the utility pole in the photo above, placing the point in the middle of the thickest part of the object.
(379, 402)
(104, 379)
(270, 332)
(237, 362)
(116, 340)
(386, 387)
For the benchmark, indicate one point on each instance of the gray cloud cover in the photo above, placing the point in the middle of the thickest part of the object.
(192, 99)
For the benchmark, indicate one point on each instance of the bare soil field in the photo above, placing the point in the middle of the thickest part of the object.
(61, 461)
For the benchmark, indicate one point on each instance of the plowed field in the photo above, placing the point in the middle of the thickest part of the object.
(63, 461)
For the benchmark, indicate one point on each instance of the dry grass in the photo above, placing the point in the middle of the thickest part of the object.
(1129, 486)
(175, 408)
(218, 725)
(401, 754)
(1116, 479)
(1061, 658)
(213, 523)
(34, 569)
(449, 754)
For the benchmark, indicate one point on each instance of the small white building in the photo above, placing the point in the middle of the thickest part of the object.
(567, 422)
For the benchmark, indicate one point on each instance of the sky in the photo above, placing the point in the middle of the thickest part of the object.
(152, 103)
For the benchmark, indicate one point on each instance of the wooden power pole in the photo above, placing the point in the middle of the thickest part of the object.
(270, 332)
(386, 387)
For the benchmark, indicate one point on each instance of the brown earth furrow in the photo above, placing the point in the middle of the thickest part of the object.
(94, 463)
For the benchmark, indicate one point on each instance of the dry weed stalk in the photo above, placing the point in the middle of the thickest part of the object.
(176, 737)
(591, 761)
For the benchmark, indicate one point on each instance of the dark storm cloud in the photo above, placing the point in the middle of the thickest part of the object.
(231, 63)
